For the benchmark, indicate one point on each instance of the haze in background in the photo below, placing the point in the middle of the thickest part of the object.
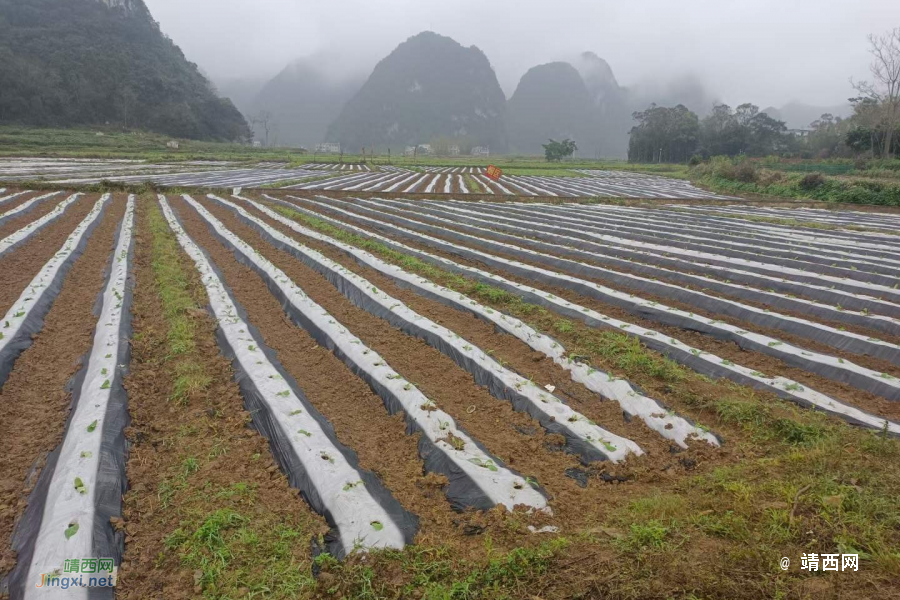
(765, 51)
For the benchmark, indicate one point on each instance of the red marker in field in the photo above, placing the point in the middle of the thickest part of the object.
(494, 173)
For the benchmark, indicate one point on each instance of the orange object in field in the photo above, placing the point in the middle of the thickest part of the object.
(494, 173)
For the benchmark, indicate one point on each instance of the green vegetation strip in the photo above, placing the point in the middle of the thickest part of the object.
(726, 175)
(473, 185)
(178, 305)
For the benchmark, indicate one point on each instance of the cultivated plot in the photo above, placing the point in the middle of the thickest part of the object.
(189, 383)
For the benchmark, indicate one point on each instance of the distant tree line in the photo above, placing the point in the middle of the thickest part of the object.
(675, 134)
(80, 62)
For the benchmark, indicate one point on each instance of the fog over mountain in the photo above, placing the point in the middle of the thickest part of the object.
(768, 52)
(429, 87)
(302, 63)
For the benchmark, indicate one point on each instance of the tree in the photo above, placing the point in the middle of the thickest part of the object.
(744, 130)
(884, 89)
(664, 134)
(556, 151)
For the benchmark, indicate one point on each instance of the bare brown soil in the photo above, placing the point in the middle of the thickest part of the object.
(36, 212)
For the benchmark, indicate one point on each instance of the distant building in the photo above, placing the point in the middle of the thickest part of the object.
(481, 151)
(173, 145)
(799, 133)
(328, 148)
(257, 144)
(454, 150)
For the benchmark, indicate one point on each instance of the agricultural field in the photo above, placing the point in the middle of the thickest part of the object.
(351, 177)
(283, 394)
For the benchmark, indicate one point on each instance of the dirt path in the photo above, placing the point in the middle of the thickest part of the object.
(34, 403)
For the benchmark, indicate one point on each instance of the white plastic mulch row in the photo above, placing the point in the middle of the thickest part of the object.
(721, 266)
(76, 502)
(657, 417)
(828, 366)
(597, 232)
(716, 220)
(12, 196)
(544, 406)
(563, 243)
(880, 221)
(863, 266)
(859, 267)
(19, 237)
(26, 315)
(695, 358)
(25, 207)
(483, 471)
(646, 262)
(351, 508)
(725, 234)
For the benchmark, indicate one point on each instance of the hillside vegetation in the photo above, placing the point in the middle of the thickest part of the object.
(83, 62)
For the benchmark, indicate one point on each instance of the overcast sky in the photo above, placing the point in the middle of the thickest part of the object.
(767, 52)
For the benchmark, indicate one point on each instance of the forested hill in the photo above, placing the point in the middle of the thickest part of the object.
(92, 62)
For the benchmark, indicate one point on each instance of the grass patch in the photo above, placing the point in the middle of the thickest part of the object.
(242, 555)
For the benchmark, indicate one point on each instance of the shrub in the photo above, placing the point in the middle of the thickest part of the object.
(746, 172)
(812, 181)
(695, 160)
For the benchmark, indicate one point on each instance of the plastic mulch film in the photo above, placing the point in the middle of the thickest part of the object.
(633, 402)
(21, 236)
(81, 488)
(587, 439)
(830, 367)
(776, 291)
(26, 317)
(25, 207)
(476, 479)
(565, 245)
(703, 362)
(362, 513)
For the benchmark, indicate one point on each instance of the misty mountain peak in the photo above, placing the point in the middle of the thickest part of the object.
(430, 86)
